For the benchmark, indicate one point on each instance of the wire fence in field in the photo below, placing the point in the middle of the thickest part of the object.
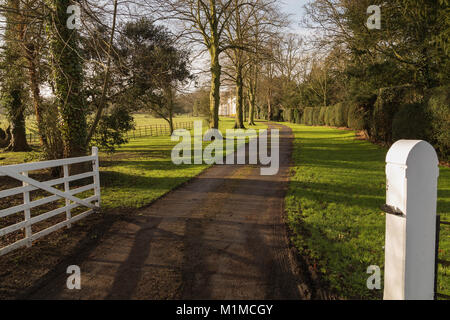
(154, 130)
(157, 130)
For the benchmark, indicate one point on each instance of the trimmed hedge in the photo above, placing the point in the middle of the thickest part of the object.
(322, 113)
(326, 116)
(339, 116)
(392, 115)
(411, 123)
(308, 116)
(296, 118)
(289, 115)
(345, 109)
(331, 116)
(387, 105)
(316, 115)
(438, 110)
(356, 117)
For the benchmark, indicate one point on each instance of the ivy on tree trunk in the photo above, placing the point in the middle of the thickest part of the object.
(67, 79)
(13, 89)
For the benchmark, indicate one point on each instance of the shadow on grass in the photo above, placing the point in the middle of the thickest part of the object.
(338, 262)
(143, 165)
(333, 205)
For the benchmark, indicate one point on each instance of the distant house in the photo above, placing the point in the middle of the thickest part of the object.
(227, 106)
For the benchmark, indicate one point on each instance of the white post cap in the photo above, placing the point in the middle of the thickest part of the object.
(413, 152)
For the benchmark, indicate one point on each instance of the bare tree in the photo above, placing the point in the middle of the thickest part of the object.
(266, 27)
(319, 79)
(204, 23)
(106, 82)
(251, 29)
(289, 56)
(237, 34)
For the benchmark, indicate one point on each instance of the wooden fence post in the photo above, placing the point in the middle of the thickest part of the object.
(412, 172)
(26, 201)
(96, 169)
(67, 189)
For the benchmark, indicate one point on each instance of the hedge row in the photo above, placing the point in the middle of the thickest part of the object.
(395, 113)
(336, 116)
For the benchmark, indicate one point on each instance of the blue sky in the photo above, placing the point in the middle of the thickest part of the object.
(293, 7)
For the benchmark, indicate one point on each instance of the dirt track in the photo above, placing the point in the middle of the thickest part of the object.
(221, 236)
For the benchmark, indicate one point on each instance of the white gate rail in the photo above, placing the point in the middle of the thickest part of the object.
(20, 172)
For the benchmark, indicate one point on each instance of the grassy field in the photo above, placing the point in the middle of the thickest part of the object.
(142, 171)
(141, 120)
(336, 190)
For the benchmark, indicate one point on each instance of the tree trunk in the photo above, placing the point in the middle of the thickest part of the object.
(169, 121)
(36, 93)
(244, 107)
(18, 141)
(252, 100)
(4, 141)
(170, 106)
(103, 98)
(13, 83)
(67, 78)
(239, 99)
(216, 71)
(171, 125)
(251, 111)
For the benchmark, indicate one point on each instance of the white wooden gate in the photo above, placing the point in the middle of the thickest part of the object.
(20, 173)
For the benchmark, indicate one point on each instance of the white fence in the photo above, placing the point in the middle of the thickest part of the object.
(20, 173)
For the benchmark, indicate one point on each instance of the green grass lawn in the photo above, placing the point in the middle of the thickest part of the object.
(142, 170)
(142, 120)
(30, 123)
(336, 190)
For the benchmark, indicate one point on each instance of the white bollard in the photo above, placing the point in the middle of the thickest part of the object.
(412, 174)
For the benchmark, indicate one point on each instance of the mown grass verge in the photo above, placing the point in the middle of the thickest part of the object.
(336, 190)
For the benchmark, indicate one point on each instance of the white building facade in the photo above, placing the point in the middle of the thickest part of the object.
(227, 107)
